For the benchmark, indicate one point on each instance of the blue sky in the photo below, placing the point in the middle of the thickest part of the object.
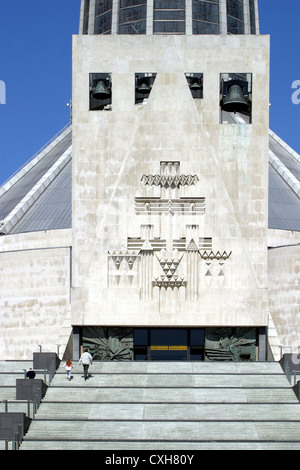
(36, 67)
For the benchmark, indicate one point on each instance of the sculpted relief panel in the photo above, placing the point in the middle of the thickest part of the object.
(149, 263)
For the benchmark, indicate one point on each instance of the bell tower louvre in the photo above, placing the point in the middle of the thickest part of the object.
(170, 206)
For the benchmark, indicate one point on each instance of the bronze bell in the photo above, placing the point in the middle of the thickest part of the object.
(195, 85)
(144, 87)
(101, 92)
(235, 100)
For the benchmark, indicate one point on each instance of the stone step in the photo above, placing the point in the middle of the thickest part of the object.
(9, 379)
(7, 393)
(173, 380)
(171, 395)
(195, 431)
(14, 366)
(168, 406)
(170, 367)
(19, 407)
(169, 411)
(152, 446)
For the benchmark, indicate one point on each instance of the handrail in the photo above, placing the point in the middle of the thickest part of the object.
(29, 402)
(45, 371)
(51, 373)
(16, 441)
(281, 347)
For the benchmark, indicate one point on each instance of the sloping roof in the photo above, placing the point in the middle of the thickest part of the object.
(18, 191)
(52, 210)
(284, 186)
(39, 196)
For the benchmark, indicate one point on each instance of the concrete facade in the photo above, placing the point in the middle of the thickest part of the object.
(169, 223)
(284, 294)
(35, 292)
(112, 152)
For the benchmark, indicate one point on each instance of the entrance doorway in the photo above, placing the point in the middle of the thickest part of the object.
(169, 344)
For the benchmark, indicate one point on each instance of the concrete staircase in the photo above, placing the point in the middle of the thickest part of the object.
(168, 405)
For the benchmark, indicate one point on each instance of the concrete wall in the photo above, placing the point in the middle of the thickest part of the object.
(112, 150)
(34, 291)
(284, 294)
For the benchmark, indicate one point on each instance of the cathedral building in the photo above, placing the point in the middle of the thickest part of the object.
(163, 223)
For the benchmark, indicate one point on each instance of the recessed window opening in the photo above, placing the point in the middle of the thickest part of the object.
(143, 86)
(236, 98)
(195, 82)
(100, 92)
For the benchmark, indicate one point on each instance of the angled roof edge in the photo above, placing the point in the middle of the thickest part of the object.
(276, 163)
(285, 173)
(24, 205)
(291, 180)
(283, 144)
(38, 156)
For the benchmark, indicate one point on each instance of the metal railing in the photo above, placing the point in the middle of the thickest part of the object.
(283, 348)
(291, 367)
(50, 372)
(16, 442)
(295, 373)
(18, 436)
(57, 348)
(30, 404)
(34, 404)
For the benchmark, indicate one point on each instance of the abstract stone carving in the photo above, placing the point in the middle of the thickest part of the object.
(170, 181)
(169, 177)
(215, 256)
(174, 281)
(183, 205)
(169, 278)
(214, 262)
(137, 244)
(109, 344)
(230, 344)
(118, 257)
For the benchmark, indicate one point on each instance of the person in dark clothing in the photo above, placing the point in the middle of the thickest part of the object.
(30, 374)
(86, 360)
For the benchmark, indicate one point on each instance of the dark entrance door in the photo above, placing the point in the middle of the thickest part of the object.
(169, 344)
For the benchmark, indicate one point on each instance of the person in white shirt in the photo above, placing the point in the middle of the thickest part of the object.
(86, 360)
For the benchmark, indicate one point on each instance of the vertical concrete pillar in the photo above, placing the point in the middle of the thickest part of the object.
(76, 343)
(81, 17)
(247, 17)
(149, 20)
(262, 344)
(223, 17)
(256, 17)
(92, 17)
(188, 17)
(115, 17)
